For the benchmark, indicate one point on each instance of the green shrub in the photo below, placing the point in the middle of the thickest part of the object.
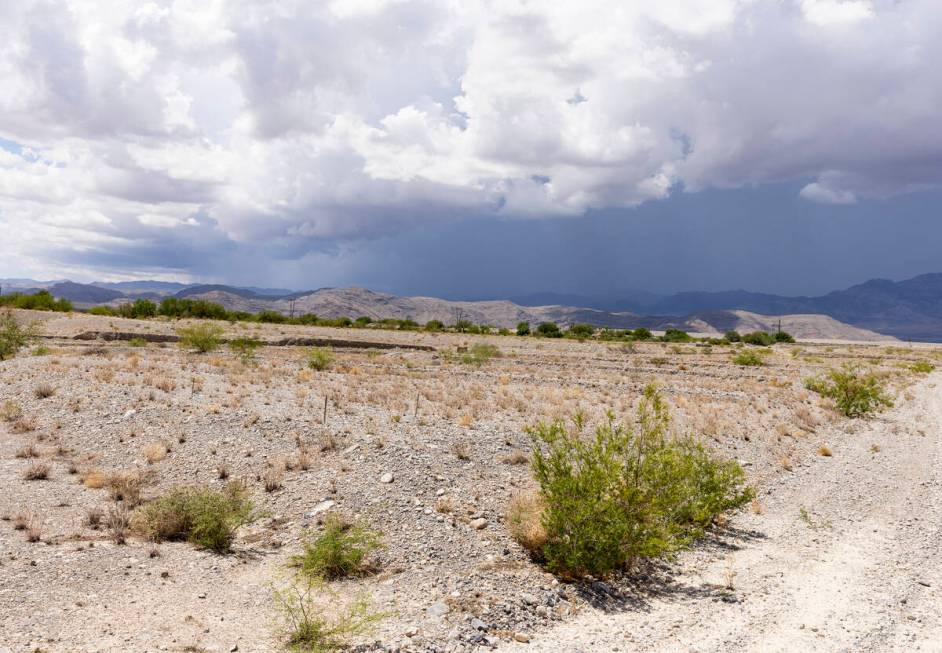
(479, 354)
(732, 336)
(341, 549)
(676, 335)
(748, 358)
(434, 326)
(462, 326)
(205, 517)
(316, 620)
(40, 301)
(271, 317)
(922, 367)
(581, 331)
(13, 335)
(102, 310)
(523, 328)
(642, 334)
(760, 338)
(319, 358)
(549, 330)
(140, 308)
(137, 342)
(620, 495)
(203, 337)
(782, 336)
(855, 393)
(244, 348)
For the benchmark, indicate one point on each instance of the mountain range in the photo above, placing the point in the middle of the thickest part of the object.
(910, 309)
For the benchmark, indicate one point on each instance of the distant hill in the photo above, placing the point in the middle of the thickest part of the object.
(910, 309)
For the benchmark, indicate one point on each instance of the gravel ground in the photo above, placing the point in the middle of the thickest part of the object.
(423, 448)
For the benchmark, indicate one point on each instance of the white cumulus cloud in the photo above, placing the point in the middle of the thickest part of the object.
(290, 123)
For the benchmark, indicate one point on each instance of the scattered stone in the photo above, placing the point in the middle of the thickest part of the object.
(387, 478)
(479, 523)
(522, 637)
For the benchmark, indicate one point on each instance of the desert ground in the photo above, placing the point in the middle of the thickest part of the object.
(839, 552)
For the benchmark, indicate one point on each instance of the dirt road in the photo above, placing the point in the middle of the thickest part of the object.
(846, 556)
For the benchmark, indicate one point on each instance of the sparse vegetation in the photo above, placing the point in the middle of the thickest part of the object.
(621, 495)
(341, 549)
(317, 621)
(855, 393)
(748, 358)
(202, 337)
(244, 348)
(13, 335)
(479, 354)
(319, 358)
(203, 516)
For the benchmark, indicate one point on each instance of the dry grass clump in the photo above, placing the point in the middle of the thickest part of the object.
(155, 452)
(27, 451)
(119, 520)
(126, 487)
(273, 479)
(516, 457)
(524, 521)
(36, 472)
(10, 411)
(461, 450)
(24, 425)
(94, 517)
(94, 479)
(825, 451)
(43, 391)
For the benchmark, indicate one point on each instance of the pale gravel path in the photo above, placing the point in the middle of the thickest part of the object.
(867, 578)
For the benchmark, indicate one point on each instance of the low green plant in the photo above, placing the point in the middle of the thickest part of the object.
(479, 354)
(621, 494)
(203, 337)
(434, 326)
(137, 342)
(13, 335)
(642, 333)
(523, 328)
(748, 358)
(760, 338)
(244, 348)
(855, 393)
(732, 336)
(340, 549)
(549, 330)
(581, 331)
(41, 350)
(319, 358)
(922, 367)
(203, 516)
(316, 620)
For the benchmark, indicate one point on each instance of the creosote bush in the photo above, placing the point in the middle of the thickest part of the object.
(203, 337)
(619, 495)
(13, 335)
(748, 358)
(203, 516)
(479, 354)
(319, 358)
(316, 620)
(855, 393)
(341, 549)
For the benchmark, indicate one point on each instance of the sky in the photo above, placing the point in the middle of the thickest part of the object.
(472, 148)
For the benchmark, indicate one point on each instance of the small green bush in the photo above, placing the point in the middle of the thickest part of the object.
(732, 336)
(480, 354)
(523, 328)
(760, 338)
(549, 330)
(140, 308)
(620, 495)
(783, 336)
(137, 342)
(855, 393)
(747, 358)
(244, 348)
(434, 326)
(642, 334)
(319, 358)
(316, 620)
(102, 310)
(203, 516)
(581, 331)
(922, 367)
(40, 301)
(340, 550)
(13, 335)
(676, 335)
(202, 337)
